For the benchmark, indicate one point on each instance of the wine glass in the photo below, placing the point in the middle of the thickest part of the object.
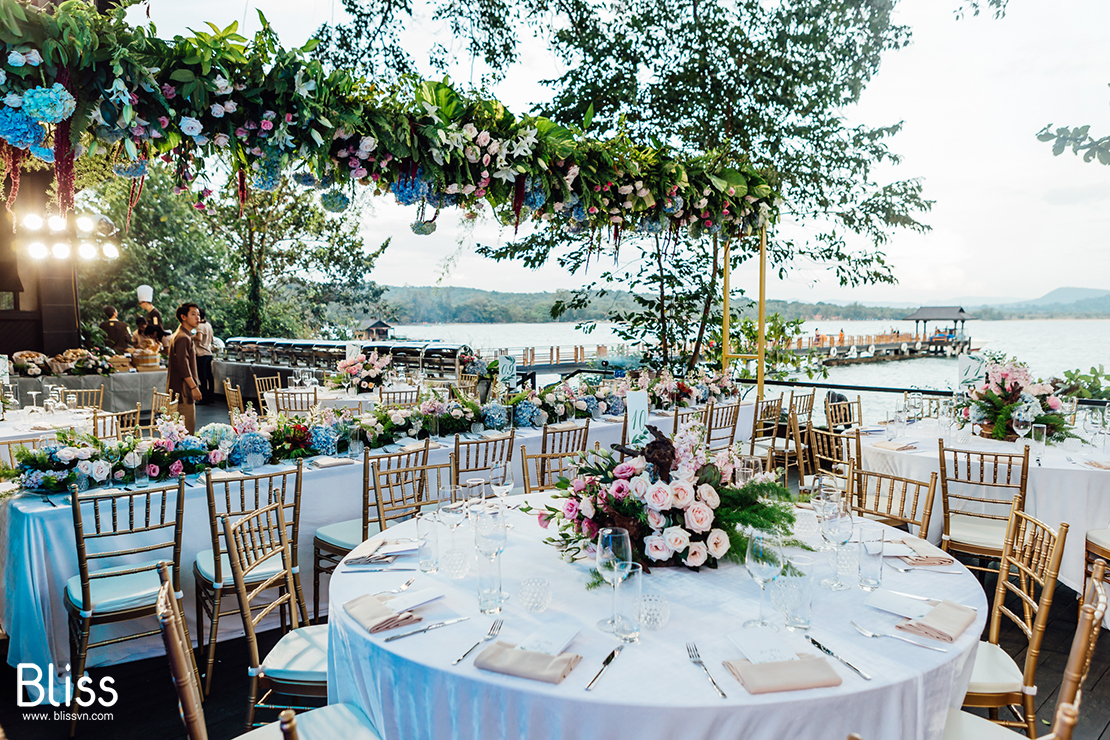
(34, 398)
(501, 479)
(824, 497)
(614, 556)
(836, 529)
(764, 563)
(1023, 422)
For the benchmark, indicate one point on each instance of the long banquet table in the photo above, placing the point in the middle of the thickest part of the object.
(38, 553)
(121, 390)
(411, 691)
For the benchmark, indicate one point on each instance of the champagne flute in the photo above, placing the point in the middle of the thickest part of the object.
(614, 558)
(764, 563)
(501, 480)
(836, 528)
(1023, 422)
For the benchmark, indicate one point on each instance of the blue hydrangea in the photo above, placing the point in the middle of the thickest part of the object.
(213, 434)
(45, 153)
(323, 439)
(578, 214)
(442, 200)
(495, 416)
(306, 179)
(251, 443)
(615, 404)
(109, 135)
(267, 173)
(49, 104)
(524, 413)
(133, 170)
(334, 201)
(325, 182)
(676, 204)
(591, 405)
(411, 190)
(19, 129)
(702, 393)
(535, 198)
(423, 228)
(192, 444)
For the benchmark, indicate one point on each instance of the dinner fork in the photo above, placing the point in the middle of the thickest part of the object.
(493, 630)
(869, 633)
(903, 569)
(692, 651)
(399, 589)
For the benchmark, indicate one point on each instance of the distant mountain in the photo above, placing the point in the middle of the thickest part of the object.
(1062, 297)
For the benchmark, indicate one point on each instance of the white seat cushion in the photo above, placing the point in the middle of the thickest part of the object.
(1100, 537)
(963, 726)
(347, 535)
(335, 721)
(301, 656)
(841, 483)
(117, 593)
(976, 531)
(207, 569)
(994, 672)
(765, 442)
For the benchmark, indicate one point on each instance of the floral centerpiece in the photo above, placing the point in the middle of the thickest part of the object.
(290, 439)
(1007, 391)
(557, 402)
(364, 372)
(525, 409)
(679, 507)
(384, 425)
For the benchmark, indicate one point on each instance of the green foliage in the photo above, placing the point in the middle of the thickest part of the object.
(1094, 384)
(1079, 140)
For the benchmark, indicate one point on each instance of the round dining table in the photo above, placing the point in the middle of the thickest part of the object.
(410, 689)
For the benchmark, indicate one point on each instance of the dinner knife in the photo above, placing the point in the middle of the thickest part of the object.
(604, 665)
(926, 599)
(435, 625)
(828, 652)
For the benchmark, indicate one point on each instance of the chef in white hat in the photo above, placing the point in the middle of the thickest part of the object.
(153, 315)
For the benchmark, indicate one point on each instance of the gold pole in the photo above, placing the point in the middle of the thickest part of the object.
(726, 344)
(762, 347)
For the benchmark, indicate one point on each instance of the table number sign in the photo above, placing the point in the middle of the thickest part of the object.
(972, 369)
(506, 370)
(5, 377)
(353, 348)
(637, 404)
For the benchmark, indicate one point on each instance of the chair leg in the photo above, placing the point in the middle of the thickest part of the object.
(302, 607)
(198, 594)
(78, 666)
(252, 699)
(213, 630)
(316, 585)
(1030, 716)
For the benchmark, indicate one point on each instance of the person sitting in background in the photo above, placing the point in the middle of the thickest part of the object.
(139, 334)
(116, 331)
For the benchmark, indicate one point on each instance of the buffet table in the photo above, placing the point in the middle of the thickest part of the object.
(411, 691)
(38, 553)
(121, 390)
(242, 374)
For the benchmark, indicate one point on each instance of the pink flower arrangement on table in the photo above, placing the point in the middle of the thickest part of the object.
(363, 371)
(1007, 391)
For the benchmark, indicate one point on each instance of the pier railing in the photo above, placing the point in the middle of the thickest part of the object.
(552, 355)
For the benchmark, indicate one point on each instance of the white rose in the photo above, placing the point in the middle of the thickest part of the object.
(549, 398)
(655, 519)
(717, 542)
(639, 487)
(586, 507)
(639, 463)
(84, 467)
(101, 470)
(397, 418)
(230, 106)
(602, 406)
(656, 547)
(457, 413)
(678, 539)
(191, 126)
(697, 555)
(560, 409)
(131, 460)
(217, 110)
(683, 493)
(84, 453)
(707, 494)
(66, 454)
(699, 517)
(580, 405)
(659, 497)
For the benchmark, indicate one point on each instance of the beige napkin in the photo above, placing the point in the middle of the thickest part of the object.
(417, 446)
(221, 474)
(331, 462)
(945, 622)
(562, 426)
(366, 549)
(1099, 465)
(369, 611)
(503, 657)
(926, 553)
(894, 446)
(808, 672)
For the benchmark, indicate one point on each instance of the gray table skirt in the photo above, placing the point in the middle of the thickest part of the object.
(121, 390)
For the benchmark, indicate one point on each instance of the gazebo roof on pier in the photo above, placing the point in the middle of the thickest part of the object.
(939, 313)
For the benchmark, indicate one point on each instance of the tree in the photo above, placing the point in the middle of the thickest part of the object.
(290, 258)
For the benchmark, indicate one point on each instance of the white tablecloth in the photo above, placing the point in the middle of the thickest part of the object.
(327, 398)
(410, 690)
(19, 426)
(38, 555)
(1057, 490)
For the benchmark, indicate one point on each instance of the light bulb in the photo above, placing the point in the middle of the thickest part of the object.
(32, 222)
(85, 224)
(57, 223)
(38, 250)
(111, 251)
(61, 250)
(86, 250)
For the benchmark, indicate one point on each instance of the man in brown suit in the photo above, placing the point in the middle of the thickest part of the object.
(182, 377)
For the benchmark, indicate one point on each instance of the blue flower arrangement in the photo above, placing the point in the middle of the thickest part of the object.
(213, 434)
(109, 135)
(442, 200)
(45, 153)
(132, 170)
(616, 405)
(251, 443)
(495, 416)
(19, 129)
(267, 177)
(524, 413)
(192, 444)
(323, 439)
(423, 228)
(334, 201)
(410, 191)
(578, 214)
(306, 179)
(49, 104)
(591, 405)
(676, 205)
(534, 197)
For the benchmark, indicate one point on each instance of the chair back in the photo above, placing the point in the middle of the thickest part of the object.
(179, 651)
(831, 452)
(115, 426)
(129, 527)
(765, 423)
(893, 499)
(720, 426)
(160, 403)
(400, 493)
(258, 537)
(468, 384)
(543, 470)
(234, 398)
(1031, 561)
(8, 448)
(482, 454)
(389, 461)
(263, 386)
(686, 417)
(242, 496)
(840, 415)
(299, 401)
(984, 482)
(801, 404)
(399, 399)
(565, 438)
(1091, 615)
(87, 398)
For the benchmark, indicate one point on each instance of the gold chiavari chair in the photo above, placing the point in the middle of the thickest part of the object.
(264, 385)
(325, 723)
(984, 483)
(802, 405)
(721, 425)
(545, 469)
(160, 404)
(482, 454)
(841, 415)
(87, 398)
(765, 426)
(234, 397)
(686, 417)
(399, 399)
(1030, 562)
(468, 384)
(401, 493)
(116, 426)
(8, 448)
(893, 500)
(113, 526)
(563, 439)
(830, 454)
(237, 497)
(295, 402)
(1097, 548)
(332, 542)
(793, 447)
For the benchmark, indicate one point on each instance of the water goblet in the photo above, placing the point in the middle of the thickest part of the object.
(501, 479)
(836, 529)
(454, 558)
(763, 561)
(1040, 438)
(614, 556)
(1022, 422)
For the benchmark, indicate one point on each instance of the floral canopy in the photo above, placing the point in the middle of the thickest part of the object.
(75, 83)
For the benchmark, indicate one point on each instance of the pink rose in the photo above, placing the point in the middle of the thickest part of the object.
(659, 497)
(570, 508)
(717, 542)
(638, 487)
(579, 485)
(624, 470)
(708, 495)
(176, 467)
(655, 547)
(678, 539)
(118, 475)
(696, 555)
(655, 519)
(683, 492)
(153, 470)
(266, 125)
(483, 138)
(543, 519)
(619, 489)
(699, 517)
(590, 528)
(169, 91)
(1054, 403)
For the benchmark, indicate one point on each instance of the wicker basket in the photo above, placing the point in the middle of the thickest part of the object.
(987, 431)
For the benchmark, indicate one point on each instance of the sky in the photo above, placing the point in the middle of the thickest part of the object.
(1010, 222)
